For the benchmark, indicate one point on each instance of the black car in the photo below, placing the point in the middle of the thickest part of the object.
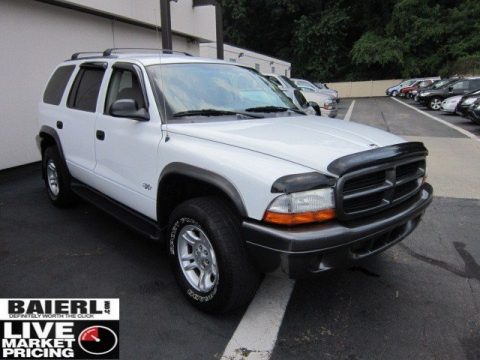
(433, 98)
(466, 101)
(473, 112)
(435, 85)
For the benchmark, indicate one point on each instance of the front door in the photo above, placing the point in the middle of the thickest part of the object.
(126, 151)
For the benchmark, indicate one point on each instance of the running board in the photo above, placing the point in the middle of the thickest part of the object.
(136, 221)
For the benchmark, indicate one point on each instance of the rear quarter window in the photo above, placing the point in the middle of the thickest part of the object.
(84, 93)
(56, 85)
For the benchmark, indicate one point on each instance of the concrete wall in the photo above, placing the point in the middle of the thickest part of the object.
(35, 37)
(263, 63)
(198, 21)
(362, 88)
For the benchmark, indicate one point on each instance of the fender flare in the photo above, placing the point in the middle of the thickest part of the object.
(48, 130)
(208, 177)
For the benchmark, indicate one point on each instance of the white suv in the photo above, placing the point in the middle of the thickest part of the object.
(216, 160)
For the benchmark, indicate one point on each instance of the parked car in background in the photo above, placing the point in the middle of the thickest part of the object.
(306, 86)
(327, 104)
(449, 105)
(473, 112)
(406, 89)
(395, 90)
(435, 85)
(425, 84)
(466, 101)
(296, 96)
(411, 91)
(433, 98)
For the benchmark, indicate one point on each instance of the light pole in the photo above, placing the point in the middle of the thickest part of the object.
(218, 22)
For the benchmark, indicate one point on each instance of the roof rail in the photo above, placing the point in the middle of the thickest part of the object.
(109, 52)
(79, 55)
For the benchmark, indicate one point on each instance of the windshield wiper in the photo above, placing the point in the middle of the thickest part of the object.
(213, 112)
(272, 109)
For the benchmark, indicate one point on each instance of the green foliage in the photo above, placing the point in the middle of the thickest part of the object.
(371, 39)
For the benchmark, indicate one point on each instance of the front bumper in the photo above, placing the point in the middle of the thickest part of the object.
(330, 113)
(313, 249)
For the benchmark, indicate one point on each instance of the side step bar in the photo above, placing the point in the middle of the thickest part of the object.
(138, 222)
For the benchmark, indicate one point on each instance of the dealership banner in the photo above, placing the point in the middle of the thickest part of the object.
(59, 328)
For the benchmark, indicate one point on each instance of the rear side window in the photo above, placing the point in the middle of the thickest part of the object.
(475, 84)
(56, 86)
(85, 89)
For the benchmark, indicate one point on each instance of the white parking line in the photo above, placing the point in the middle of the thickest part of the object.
(349, 112)
(256, 335)
(459, 129)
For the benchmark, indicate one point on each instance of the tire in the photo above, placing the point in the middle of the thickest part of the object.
(197, 227)
(435, 103)
(394, 93)
(57, 178)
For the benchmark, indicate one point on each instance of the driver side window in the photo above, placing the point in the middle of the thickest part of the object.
(461, 85)
(124, 84)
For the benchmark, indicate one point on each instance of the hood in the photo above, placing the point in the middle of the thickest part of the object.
(311, 141)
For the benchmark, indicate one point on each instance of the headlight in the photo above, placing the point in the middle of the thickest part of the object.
(425, 94)
(301, 207)
(328, 105)
(469, 101)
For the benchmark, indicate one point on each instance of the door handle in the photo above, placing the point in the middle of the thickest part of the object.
(100, 135)
(59, 125)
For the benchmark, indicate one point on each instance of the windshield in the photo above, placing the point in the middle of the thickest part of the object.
(289, 82)
(193, 88)
(441, 83)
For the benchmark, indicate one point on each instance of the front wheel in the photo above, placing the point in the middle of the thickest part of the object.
(394, 93)
(435, 103)
(208, 256)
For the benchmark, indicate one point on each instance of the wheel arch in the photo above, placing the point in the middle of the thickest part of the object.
(179, 182)
(47, 137)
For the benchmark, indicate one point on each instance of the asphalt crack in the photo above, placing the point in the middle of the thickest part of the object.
(470, 271)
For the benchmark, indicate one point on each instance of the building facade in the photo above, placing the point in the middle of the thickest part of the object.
(263, 63)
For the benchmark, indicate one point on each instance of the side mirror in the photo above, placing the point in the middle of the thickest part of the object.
(127, 108)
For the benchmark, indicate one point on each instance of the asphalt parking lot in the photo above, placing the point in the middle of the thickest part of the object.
(418, 300)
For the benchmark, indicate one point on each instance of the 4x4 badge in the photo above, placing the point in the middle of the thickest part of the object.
(147, 186)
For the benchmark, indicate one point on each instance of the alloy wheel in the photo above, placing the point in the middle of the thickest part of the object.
(197, 259)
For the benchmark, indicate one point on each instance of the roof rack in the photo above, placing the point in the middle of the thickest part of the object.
(80, 55)
(111, 51)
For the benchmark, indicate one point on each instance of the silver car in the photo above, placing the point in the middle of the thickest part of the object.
(327, 104)
(306, 85)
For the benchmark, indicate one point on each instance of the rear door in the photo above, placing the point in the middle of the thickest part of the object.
(78, 121)
(126, 154)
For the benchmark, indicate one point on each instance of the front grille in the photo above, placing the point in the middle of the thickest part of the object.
(377, 188)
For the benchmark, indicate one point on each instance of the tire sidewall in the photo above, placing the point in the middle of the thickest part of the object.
(50, 154)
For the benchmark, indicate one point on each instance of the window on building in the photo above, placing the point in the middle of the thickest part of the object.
(257, 67)
(86, 87)
(56, 86)
(273, 69)
(124, 84)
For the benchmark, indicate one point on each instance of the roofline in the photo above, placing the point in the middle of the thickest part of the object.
(118, 18)
(284, 62)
